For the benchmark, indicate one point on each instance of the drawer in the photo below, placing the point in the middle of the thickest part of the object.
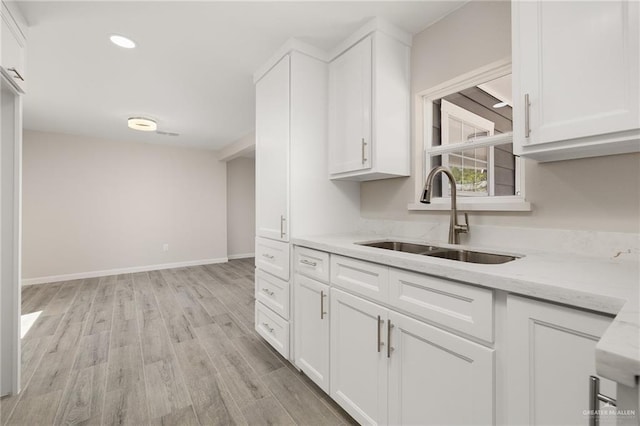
(273, 292)
(312, 263)
(458, 306)
(274, 329)
(365, 278)
(273, 257)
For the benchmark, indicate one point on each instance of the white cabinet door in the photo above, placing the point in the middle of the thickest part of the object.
(350, 87)
(551, 354)
(578, 64)
(437, 378)
(312, 329)
(358, 357)
(272, 153)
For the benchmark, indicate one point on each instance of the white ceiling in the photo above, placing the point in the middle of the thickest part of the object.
(192, 69)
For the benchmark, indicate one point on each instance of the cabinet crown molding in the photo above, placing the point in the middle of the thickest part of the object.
(291, 45)
(373, 25)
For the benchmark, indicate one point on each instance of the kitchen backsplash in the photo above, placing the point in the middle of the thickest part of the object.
(612, 245)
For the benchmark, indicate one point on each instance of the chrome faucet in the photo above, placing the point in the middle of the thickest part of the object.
(454, 227)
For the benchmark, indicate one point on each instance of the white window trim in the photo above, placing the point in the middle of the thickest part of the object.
(423, 111)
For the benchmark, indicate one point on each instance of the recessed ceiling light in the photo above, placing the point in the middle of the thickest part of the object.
(500, 105)
(122, 41)
(142, 124)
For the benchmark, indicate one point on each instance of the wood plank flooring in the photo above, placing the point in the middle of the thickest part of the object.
(170, 347)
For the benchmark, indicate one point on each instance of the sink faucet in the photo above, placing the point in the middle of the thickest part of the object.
(454, 227)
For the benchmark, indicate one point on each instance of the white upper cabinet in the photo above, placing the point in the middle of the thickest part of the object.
(13, 47)
(369, 106)
(350, 109)
(272, 153)
(576, 78)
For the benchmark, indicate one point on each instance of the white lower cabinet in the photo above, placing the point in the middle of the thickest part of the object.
(551, 356)
(358, 358)
(438, 378)
(311, 321)
(387, 368)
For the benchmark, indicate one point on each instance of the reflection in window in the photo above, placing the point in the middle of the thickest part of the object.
(466, 117)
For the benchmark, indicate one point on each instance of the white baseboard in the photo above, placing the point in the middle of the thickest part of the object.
(241, 256)
(107, 272)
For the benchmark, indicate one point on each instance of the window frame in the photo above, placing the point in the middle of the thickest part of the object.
(423, 122)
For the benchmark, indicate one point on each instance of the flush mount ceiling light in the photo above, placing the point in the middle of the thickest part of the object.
(142, 124)
(500, 105)
(122, 41)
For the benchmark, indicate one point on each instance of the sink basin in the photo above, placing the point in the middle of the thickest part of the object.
(473, 256)
(400, 246)
(442, 252)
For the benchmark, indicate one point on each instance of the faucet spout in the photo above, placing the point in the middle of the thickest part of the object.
(454, 227)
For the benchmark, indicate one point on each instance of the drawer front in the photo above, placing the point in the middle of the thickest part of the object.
(312, 263)
(274, 329)
(273, 257)
(273, 292)
(458, 306)
(367, 279)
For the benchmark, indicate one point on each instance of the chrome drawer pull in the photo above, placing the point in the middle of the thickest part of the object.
(17, 74)
(282, 232)
(322, 312)
(268, 256)
(270, 329)
(380, 343)
(270, 293)
(595, 397)
(389, 348)
(364, 158)
(308, 262)
(527, 107)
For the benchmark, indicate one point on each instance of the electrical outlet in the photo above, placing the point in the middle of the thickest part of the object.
(165, 247)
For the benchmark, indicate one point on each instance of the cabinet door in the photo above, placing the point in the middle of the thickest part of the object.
(358, 357)
(437, 378)
(272, 153)
(578, 63)
(350, 88)
(312, 329)
(551, 356)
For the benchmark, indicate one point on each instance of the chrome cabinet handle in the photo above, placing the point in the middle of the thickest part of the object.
(308, 262)
(594, 399)
(322, 312)
(282, 220)
(380, 343)
(364, 158)
(270, 293)
(270, 329)
(267, 255)
(17, 74)
(527, 107)
(389, 348)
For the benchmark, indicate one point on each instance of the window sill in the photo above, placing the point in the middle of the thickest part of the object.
(486, 205)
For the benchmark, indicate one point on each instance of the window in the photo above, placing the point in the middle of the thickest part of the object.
(467, 127)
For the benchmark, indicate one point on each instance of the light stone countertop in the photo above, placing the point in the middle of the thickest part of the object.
(606, 285)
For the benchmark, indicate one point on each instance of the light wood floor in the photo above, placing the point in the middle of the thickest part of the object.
(172, 347)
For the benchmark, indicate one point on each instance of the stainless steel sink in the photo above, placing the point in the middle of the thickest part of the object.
(442, 252)
(400, 246)
(473, 256)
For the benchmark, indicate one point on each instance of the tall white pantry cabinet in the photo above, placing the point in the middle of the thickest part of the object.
(294, 197)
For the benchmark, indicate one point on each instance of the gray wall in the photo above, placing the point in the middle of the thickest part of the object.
(93, 205)
(588, 194)
(241, 206)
